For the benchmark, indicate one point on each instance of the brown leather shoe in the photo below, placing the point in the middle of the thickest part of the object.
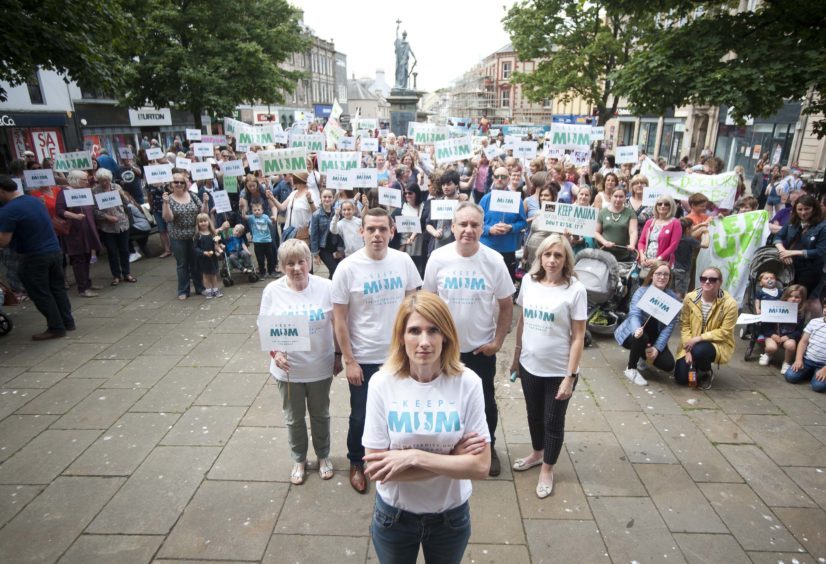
(46, 335)
(358, 479)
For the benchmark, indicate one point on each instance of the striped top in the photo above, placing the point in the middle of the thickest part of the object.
(816, 350)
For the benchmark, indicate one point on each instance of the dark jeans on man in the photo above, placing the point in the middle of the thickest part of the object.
(187, 266)
(42, 277)
(703, 355)
(358, 410)
(117, 251)
(485, 368)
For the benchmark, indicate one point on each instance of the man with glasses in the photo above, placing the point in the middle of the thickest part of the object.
(503, 231)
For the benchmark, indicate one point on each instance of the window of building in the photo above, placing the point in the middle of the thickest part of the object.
(506, 99)
(506, 70)
(35, 91)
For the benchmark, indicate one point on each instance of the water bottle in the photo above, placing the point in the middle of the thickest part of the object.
(692, 377)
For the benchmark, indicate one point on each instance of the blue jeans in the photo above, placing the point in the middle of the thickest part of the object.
(397, 534)
(358, 409)
(805, 374)
(187, 266)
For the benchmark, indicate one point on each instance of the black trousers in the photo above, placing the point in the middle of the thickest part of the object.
(117, 252)
(264, 251)
(703, 355)
(664, 360)
(42, 277)
(485, 368)
(329, 261)
(546, 414)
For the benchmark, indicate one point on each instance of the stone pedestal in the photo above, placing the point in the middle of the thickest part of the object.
(403, 106)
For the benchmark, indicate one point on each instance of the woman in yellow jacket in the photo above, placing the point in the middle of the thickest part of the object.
(706, 329)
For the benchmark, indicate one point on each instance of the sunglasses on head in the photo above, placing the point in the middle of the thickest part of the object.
(709, 279)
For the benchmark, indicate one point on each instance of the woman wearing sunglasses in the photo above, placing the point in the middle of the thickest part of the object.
(660, 235)
(706, 329)
(180, 209)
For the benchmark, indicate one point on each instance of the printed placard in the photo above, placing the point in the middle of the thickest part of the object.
(491, 152)
(443, 209)
(193, 134)
(747, 319)
(285, 333)
(283, 161)
(201, 171)
(158, 174)
(427, 134)
(629, 154)
(369, 144)
(231, 184)
(125, 153)
(154, 153)
(76, 197)
(110, 199)
(367, 123)
(182, 162)
(597, 133)
(220, 200)
(232, 168)
(340, 179)
(775, 311)
(337, 161)
(82, 160)
(554, 153)
(452, 150)
(313, 142)
(505, 201)
(513, 140)
(242, 147)
(364, 178)
(578, 220)
(281, 137)
(408, 224)
(347, 143)
(570, 136)
(659, 305)
(203, 150)
(254, 161)
(390, 197)
(525, 149)
(219, 140)
(39, 178)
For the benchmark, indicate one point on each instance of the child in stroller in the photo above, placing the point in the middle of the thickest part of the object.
(237, 255)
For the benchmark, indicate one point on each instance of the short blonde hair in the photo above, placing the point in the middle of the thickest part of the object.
(292, 249)
(538, 273)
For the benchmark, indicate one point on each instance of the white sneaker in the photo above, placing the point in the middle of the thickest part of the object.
(784, 368)
(635, 377)
(641, 365)
(764, 360)
(134, 257)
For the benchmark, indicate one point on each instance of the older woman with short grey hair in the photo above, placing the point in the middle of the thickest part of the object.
(82, 236)
(113, 224)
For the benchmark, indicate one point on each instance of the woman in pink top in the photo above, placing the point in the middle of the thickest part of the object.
(661, 235)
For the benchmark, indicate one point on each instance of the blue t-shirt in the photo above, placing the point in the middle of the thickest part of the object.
(260, 228)
(27, 218)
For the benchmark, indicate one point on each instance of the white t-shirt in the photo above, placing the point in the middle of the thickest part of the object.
(471, 287)
(403, 413)
(547, 312)
(314, 301)
(299, 211)
(374, 289)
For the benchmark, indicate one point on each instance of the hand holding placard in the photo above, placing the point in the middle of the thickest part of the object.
(284, 333)
(659, 305)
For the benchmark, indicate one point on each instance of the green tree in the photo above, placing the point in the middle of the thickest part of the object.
(211, 55)
(71, 39)
(580, 44)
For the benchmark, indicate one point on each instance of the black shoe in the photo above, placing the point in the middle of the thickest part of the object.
(46, 335)
(495, 465)
(704, 379)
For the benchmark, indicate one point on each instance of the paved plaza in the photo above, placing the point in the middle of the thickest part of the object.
(153, 433)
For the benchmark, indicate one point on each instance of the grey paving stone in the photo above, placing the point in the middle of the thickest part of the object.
(707, 549)
(496, 553)
(14, 498)
(786, 442)
(232, 389)
(803, 410)
(248, 357)
(235, 323)
(71, 358)
(176, 391)
(61, 397)
(602, 466)
(99, 410)
(638, 438)
(309, 549)
(565, 541)
(681, 504)
(99, 368)
(567, 500)
(633, 530)
(765, 477)
(226, 520)
(583, 414)
(70, 504)
(8, 372)
(105, 549)
(818, 432)
(35, 380)
(780, 558)
(513, 420)
(143, 372)
(718, 427)
(494, 513)
(205, 426)
(136, 343)
(265, 410)
(655, 397)
(12, 400)
(151, 501)
(700, 458)
(692, 398)
(45, 457)
(810, 480)
(736, 402)
(776, 387)
(215, 350)
(31, 354)
(17, 430)
(179, 341)
(106, 331)
(255, 454)
(807, 525)
(748, 518)
(609, 391)
(122, 448)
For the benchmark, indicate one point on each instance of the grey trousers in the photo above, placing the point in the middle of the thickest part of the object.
(315, 398)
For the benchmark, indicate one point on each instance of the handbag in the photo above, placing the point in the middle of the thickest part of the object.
(61, 226)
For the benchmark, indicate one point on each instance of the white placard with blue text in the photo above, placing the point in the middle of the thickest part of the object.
(347, 143)
(525, 149)
(76, 197)
(201, 171)
(232, 168)
(154, 153)
(220, 200)
(39, 178)
(629, 154)
(340, 179)
(109, 199)
(504, 201)
(408, 224)
(659, 305)
(285, 333)
(203, 150)
(370, 144)
(158, 174)
(182, 162)
(390, 197)
(443, 209)
(775, 311)
(193, 134)
(254, 162)
(364, 178)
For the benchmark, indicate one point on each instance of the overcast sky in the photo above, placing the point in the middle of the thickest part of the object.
(447, 37)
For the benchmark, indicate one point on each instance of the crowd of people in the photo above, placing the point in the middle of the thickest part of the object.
(415, 318)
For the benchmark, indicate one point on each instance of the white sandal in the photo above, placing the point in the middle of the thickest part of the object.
(298, 474)
(325, 468)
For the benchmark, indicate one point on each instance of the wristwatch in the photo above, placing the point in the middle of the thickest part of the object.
(574, 375)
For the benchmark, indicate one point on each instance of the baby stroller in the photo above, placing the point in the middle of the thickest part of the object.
(765, 259)
(599, 272)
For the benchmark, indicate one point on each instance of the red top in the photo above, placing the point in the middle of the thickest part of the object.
(49, 200)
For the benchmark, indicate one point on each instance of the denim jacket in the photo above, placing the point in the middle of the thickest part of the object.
(636, 318)
(320, 231)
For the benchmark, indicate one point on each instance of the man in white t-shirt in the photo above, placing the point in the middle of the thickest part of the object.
(368, 287)
(474, 281)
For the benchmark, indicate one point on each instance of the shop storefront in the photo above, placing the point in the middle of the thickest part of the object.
(743, 144)
(45, 134)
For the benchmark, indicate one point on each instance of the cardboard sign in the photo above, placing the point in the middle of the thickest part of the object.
(578, 220)
(340, 179)
(232, 168)
(110, 199)
(390, 197)
(408, 224)
(364, 178)
(154, 153)
(203, 150)
(313, 143)
(125, 153)
(452, 150)
(76, 197)
(347, 143)
(570, 136)
(82, 160)
(369, 144)
(629, 154)
(158, 174)
(659, 305)
(337, 161)
(254, 161)
(39, 178)
(193, 134)
(201, 171)
(505, 201)
(284, 333)
(525, 150)
(597, 133)
(775, 311)
(184, 163)
(283, 161)
(443, 209)
(220, 201)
